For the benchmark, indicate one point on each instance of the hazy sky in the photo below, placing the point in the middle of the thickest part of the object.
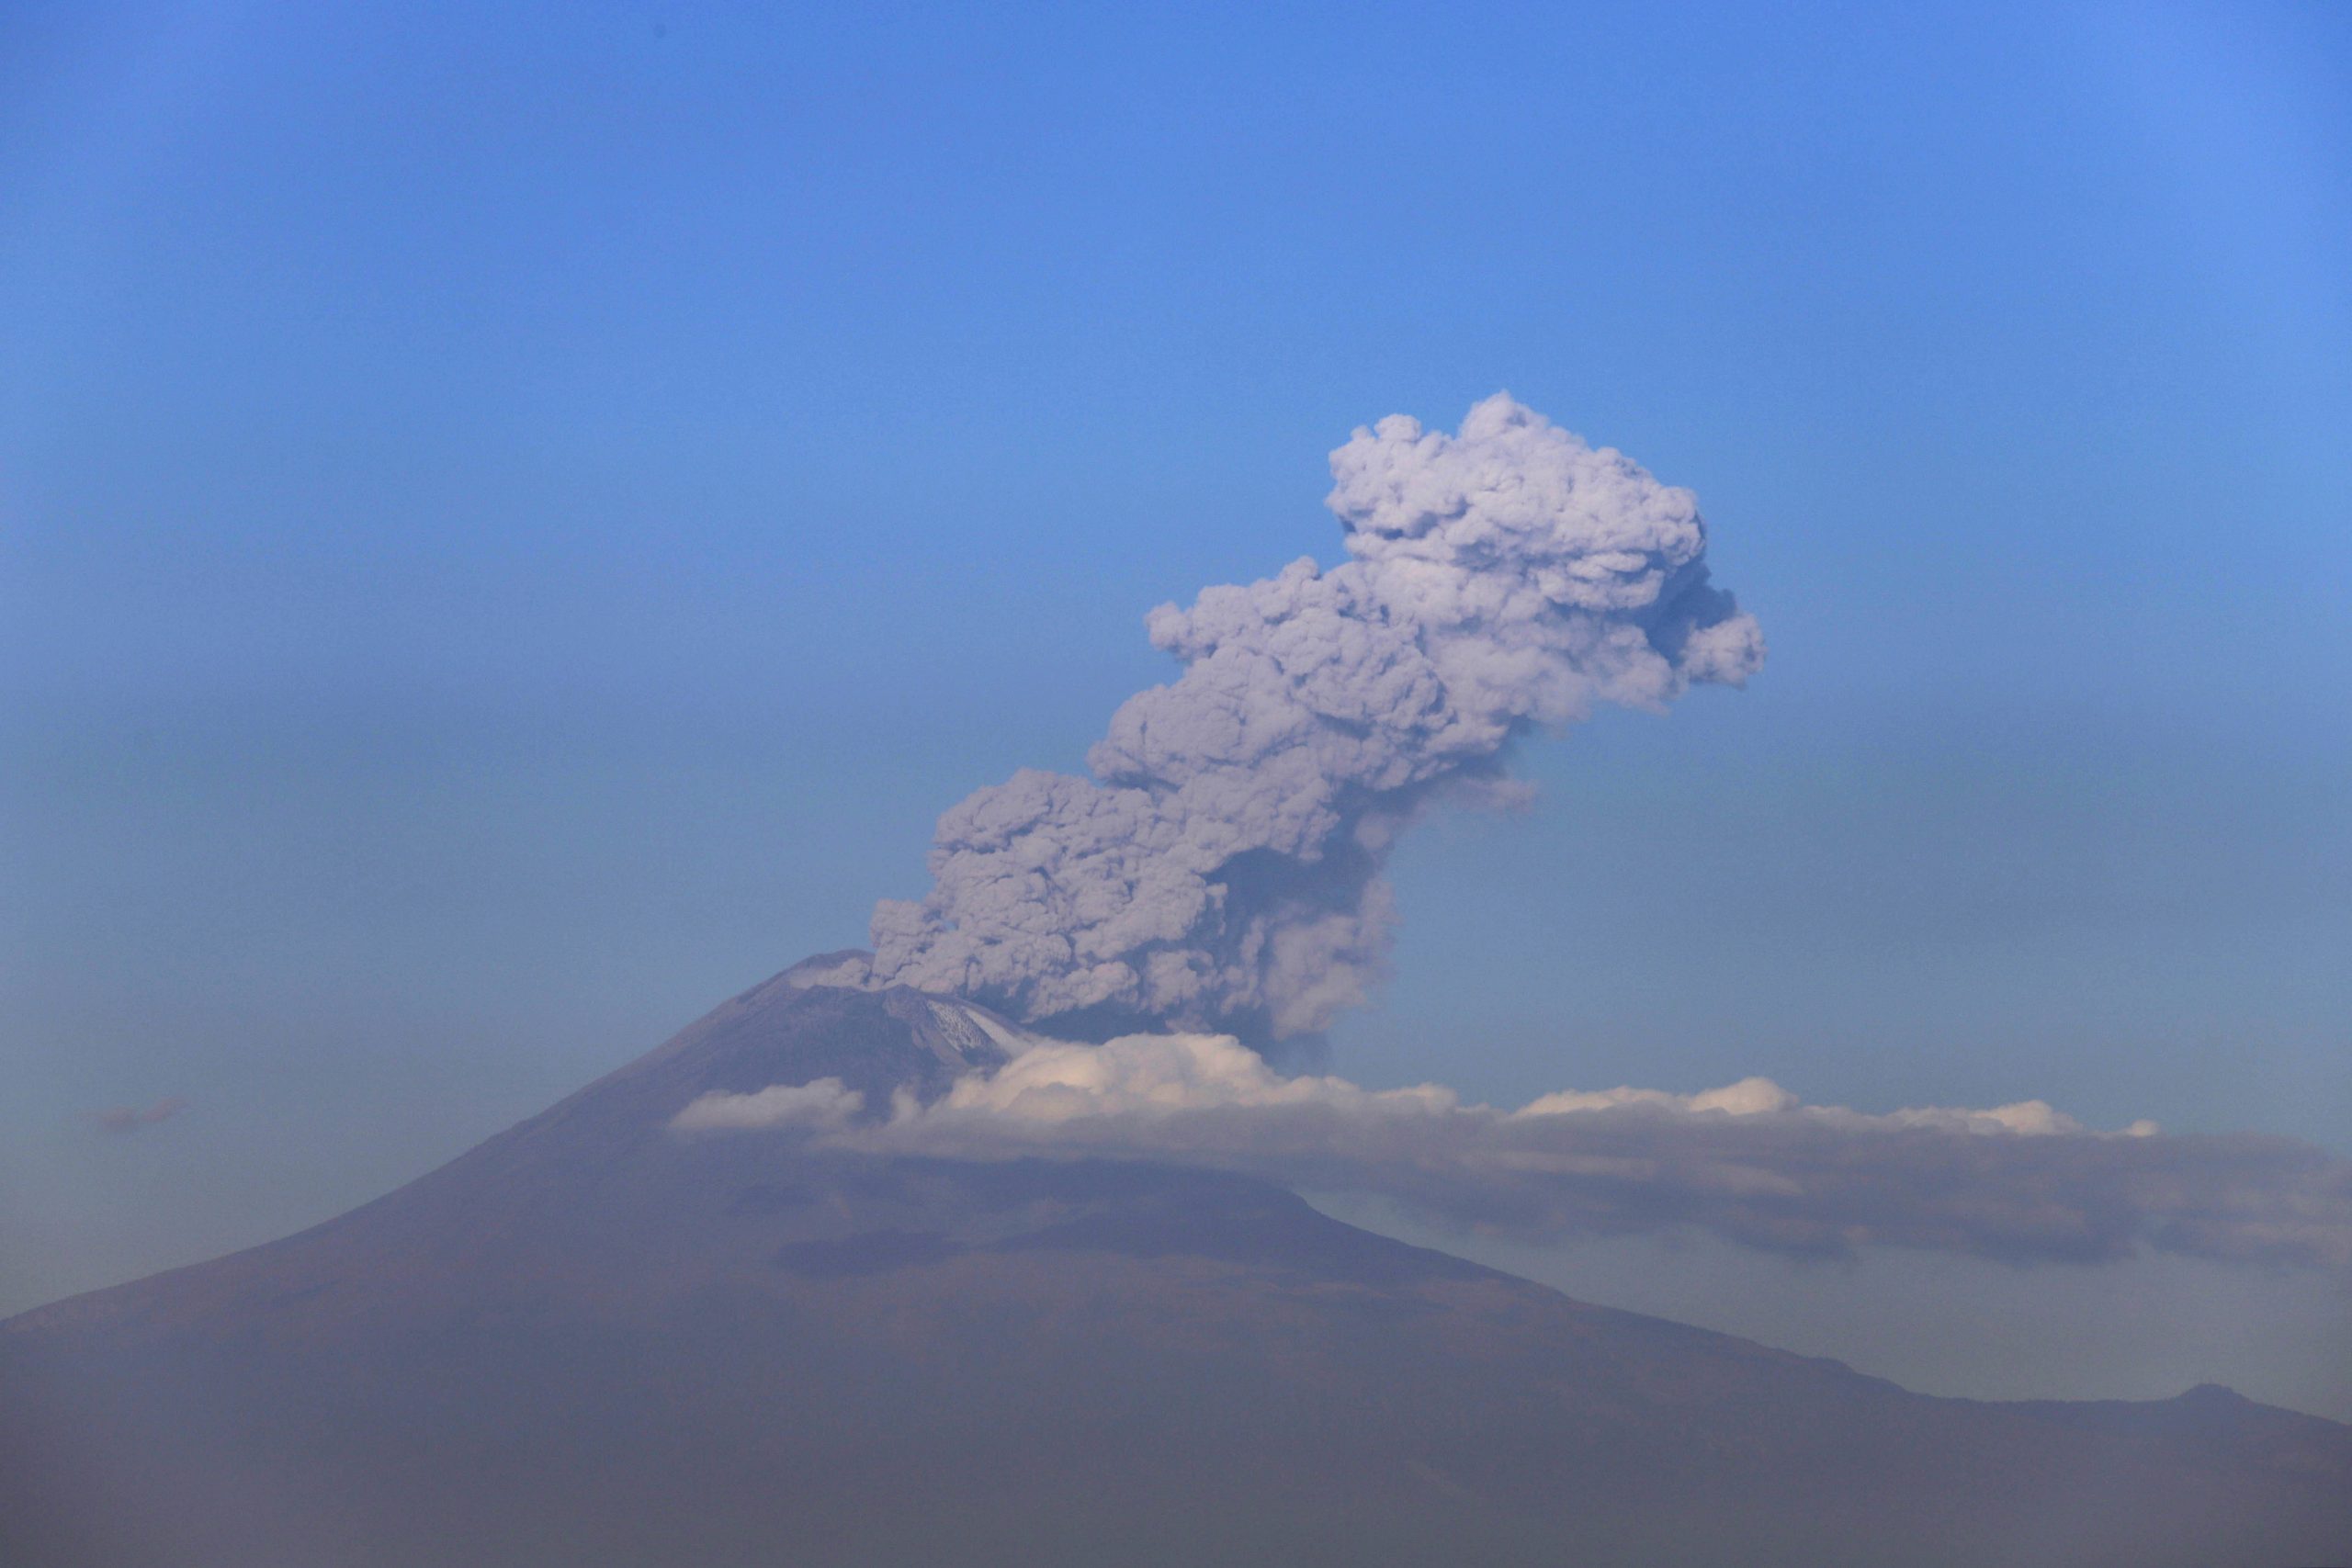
(511, 527)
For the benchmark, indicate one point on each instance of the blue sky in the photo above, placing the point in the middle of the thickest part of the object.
(512, 526)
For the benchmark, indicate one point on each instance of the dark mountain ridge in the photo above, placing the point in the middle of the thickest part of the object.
(595, 1340)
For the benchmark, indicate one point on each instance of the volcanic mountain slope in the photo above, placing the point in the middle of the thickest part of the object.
(596, 1341)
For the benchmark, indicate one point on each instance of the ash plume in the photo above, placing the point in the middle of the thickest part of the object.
(1222, 868)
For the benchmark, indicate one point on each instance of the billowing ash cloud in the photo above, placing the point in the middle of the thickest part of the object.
(1222, 867)
(1750, 1162)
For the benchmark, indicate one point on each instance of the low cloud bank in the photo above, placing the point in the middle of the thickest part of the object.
(1749, 1162)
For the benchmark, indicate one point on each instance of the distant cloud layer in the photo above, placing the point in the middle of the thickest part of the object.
(1223, 867)
(133, 1117)
(1749, 1162)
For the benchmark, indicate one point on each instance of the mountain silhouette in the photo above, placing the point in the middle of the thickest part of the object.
(594, 1341)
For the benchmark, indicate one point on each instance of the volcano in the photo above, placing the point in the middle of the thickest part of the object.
(595, 1340)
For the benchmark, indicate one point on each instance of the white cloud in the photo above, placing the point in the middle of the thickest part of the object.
(1749, 1097)
(827, 1102)
(1150, 1076)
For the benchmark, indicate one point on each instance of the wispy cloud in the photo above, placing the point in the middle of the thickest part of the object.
(827, 1102)
(123, 1118)
(1750, 1162)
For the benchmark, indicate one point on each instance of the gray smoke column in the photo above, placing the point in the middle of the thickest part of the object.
(1221, 870)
